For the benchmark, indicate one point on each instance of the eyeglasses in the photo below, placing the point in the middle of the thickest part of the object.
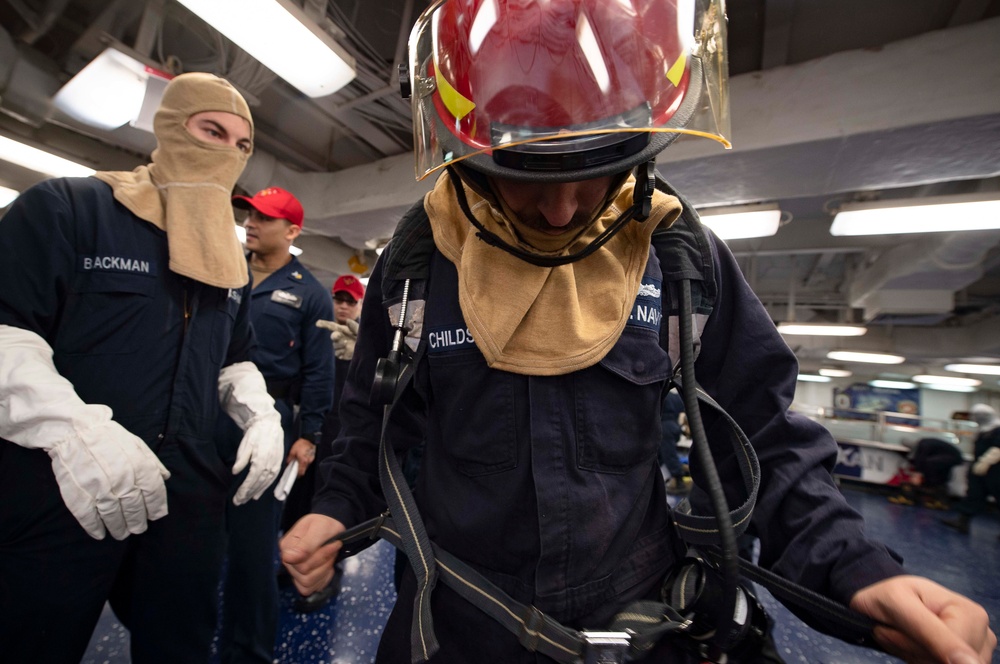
(344, 299)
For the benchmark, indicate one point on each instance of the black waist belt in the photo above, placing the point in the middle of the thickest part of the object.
(632, 633)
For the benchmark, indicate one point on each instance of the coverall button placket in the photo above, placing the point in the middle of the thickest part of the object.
(552, 445)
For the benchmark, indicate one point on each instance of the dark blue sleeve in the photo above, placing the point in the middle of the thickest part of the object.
(36, 259)
(317, 361)
(808, 532)
(243, 342)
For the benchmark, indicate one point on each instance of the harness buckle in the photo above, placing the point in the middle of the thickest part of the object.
(605, 647)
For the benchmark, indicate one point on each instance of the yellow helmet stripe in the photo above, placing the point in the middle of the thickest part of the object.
(676, 71)
(458, 105)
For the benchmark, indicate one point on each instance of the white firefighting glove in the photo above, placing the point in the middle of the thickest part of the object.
(243, 395)
(343, 336)
(109, 478)
(985, 462)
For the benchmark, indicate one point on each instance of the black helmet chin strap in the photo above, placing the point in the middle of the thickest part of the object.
(642, 204)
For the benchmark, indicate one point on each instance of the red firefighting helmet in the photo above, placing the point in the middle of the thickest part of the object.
(564, 89)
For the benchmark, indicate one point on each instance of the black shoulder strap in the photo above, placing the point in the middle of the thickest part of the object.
(408, 254)
(685, 252)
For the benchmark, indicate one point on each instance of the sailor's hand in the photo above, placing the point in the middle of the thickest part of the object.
(923, 622)
(307, 560)
(303, 451)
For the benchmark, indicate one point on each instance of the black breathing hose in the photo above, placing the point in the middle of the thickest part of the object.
(730, 566)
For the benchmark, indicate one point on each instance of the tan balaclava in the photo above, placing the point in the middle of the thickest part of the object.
(186, 189)
(544, 321)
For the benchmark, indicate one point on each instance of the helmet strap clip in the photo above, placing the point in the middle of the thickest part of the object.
(642, 195)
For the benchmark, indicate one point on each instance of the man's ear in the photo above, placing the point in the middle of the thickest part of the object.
(293, 231)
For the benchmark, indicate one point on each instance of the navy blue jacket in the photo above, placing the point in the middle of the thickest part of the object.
(92, 279)
(291, 351)
(549, 485)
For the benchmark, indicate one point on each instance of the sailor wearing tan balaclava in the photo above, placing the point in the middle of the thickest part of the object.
(186, 188)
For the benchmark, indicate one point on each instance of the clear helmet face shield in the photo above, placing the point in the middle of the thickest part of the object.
(564, 89)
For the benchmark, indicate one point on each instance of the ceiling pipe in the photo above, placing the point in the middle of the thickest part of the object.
(942, 264)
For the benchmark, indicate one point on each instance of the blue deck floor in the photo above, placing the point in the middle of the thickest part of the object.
(347, 630)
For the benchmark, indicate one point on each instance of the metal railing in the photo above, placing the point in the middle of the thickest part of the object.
(888, 428)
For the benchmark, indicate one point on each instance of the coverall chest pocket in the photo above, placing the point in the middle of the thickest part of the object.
(474, 407)
(107, 314)
(618, 404)
(283, 323)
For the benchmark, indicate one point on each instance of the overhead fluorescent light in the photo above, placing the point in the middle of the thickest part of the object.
(949, 388)
(282, 38)
(835, 373)
(822, 329)
(948, 380)
(40, 161)
(892, 384)
(965, 212)
(742, 221)
(987, 369)
(7, 196)
(109, 91)
(813, 378)
(872, 358)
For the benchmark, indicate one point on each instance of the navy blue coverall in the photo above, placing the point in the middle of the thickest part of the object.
(296, 359)
(549, 486)
(92, 279)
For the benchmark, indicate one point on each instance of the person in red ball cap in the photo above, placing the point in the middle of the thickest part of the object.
(348, 292)
(296, 361)
(273, 202)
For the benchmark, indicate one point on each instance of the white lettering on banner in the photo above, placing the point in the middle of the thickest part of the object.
(848, 456)
(117, 263)
(447, 338)
(869, 464)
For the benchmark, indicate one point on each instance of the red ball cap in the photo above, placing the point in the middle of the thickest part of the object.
(349, 285)
(273, 202)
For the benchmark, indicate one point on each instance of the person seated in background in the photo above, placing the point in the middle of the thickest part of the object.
(932, 460)
(984, 473)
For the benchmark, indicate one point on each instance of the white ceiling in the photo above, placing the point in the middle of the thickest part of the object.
(832, 101)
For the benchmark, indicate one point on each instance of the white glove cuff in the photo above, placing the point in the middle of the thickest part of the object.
(243, 394)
